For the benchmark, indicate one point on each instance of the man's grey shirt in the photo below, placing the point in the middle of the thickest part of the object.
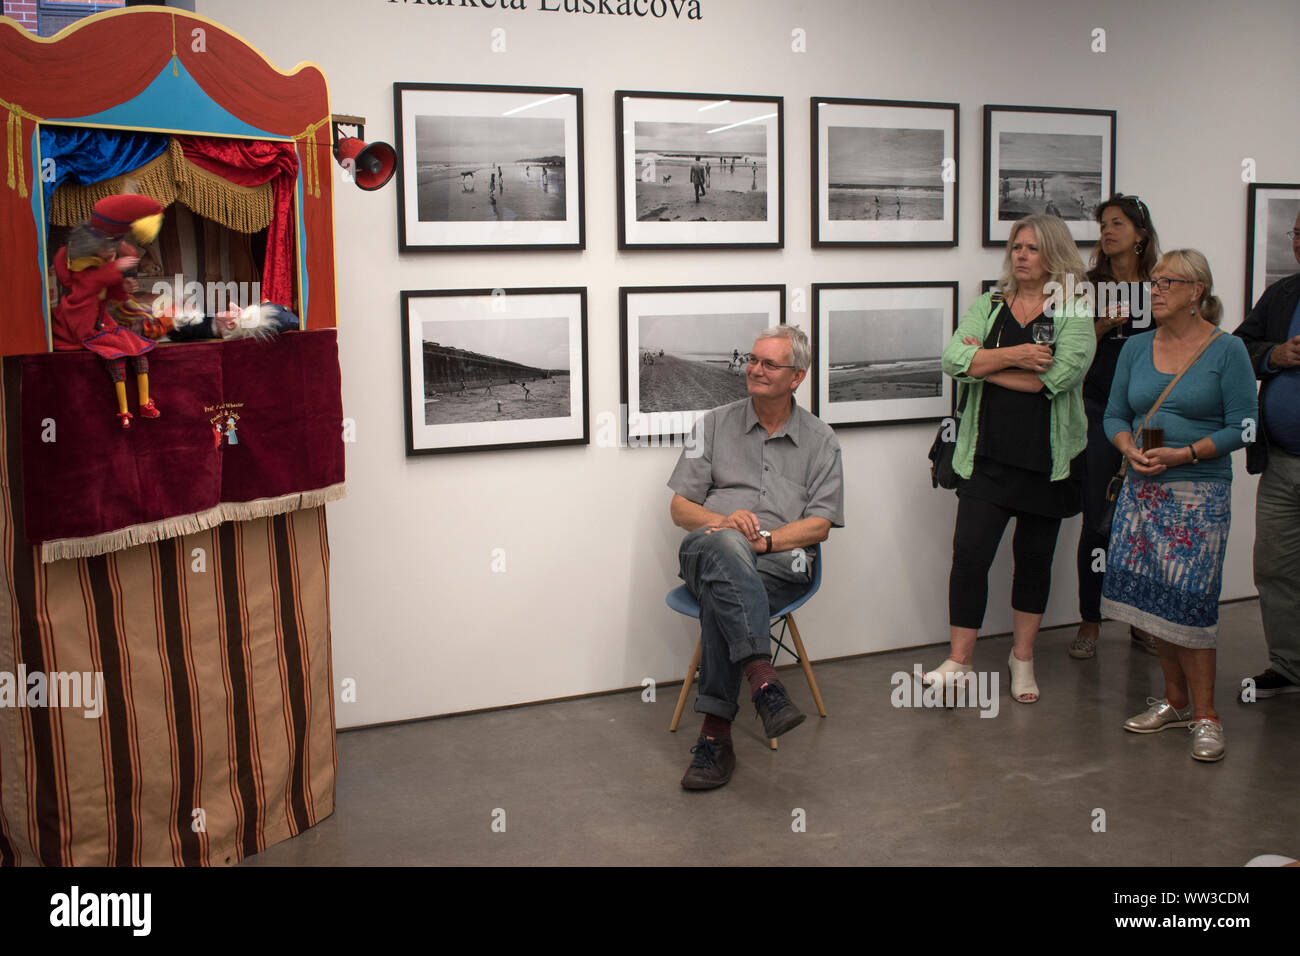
(781, 478)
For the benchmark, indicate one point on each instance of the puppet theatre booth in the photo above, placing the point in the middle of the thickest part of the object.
(165, 685)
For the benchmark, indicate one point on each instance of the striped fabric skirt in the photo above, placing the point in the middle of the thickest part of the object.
(167, 704)
(1164, 566)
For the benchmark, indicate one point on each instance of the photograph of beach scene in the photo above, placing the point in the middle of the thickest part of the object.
(490, 168)
(881, 173)
(696, 172)
(500, 369)
(694, 362)
(880, 354)
(1058, 174)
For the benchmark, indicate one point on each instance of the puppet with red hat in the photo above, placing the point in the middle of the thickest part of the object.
(91, 268)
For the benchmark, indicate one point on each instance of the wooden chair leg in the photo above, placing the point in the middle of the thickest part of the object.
(807, 667)
(686, 689)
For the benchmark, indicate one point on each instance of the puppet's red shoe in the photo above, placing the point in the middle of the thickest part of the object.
(124, 418)
(149, 410)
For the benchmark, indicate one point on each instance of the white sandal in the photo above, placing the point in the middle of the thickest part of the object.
(948, 675)
(1024, 688)
(940, 673)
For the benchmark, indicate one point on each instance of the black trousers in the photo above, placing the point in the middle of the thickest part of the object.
(1101, 461)
(980, 525)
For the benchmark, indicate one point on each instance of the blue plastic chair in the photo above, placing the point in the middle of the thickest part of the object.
(683, 602)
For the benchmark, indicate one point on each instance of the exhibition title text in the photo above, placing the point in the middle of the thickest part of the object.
(659, 9)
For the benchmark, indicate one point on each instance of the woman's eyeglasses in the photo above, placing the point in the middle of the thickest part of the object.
(1164, 282)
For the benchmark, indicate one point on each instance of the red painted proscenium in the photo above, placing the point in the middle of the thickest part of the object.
(47, 79)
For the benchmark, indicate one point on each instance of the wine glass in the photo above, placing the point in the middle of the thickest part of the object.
(1044, 333)
(1119, 309)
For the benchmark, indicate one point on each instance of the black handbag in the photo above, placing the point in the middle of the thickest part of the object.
(1107, 517)
(942, 450)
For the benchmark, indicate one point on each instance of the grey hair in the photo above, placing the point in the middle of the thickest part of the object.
(800, 350)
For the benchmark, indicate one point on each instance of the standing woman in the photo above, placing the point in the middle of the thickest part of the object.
(1022, 426)
(1125, 254)
(1164, 567)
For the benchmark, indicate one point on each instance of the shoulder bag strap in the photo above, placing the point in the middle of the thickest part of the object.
(1170, 387)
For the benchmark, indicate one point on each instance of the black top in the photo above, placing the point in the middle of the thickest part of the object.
(1015, 427)
(1013, 453)
(1096, 384)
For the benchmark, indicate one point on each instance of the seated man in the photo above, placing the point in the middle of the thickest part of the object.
(760, 486)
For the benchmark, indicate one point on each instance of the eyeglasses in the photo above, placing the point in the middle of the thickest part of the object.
(1164, 282)
(768, 364)
(1292, 233)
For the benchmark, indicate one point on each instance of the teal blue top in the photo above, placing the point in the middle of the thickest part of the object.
(1215, 399)
(1076, 342)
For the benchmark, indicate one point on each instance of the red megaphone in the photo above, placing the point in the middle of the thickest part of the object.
(372, 164)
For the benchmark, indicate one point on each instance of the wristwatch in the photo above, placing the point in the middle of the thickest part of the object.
(1195, 460)
(767, 535)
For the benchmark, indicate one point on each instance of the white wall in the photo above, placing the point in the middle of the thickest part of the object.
(420, 621)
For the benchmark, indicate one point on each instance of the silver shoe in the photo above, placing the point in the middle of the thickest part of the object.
(1159, 716)
(1143, 641)
(1207, 740)
(1083, 648)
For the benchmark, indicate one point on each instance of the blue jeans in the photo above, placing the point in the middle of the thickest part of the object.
(737, 591)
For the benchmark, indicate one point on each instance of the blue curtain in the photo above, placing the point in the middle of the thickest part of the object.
(91, 155)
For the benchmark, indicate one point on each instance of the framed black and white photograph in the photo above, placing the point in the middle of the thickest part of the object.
(1046, 160)
(699, 170)
(884, 173)
(488, 167)
(877, 350)
(1271, 211)
(683, 352)
(489, 369)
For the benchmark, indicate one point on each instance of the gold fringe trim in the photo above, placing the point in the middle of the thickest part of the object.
(241, 208)
(17, 173)
(149, 532)
(168, 178)
(73, 202)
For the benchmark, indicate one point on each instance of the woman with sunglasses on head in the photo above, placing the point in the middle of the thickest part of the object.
(1121, 266)
(1021, 427)
(1164, 565)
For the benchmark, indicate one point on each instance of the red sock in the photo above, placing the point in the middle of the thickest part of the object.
(759, 671)
(716, 727)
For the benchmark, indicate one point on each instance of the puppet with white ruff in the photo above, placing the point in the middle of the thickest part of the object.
(92, 268)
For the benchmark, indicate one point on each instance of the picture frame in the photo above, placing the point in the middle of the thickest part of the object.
(884, 172)
(1271, 210)
(488, 168)
(877, 348)
(681, 352)
(733, 144)
(492, 369)
(1065, 159)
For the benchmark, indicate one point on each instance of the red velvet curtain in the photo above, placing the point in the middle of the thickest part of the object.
(251, 163)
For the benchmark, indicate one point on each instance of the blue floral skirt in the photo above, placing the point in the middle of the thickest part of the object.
(1164, 566)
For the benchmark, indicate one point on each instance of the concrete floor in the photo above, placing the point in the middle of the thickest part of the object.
(595, 781)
